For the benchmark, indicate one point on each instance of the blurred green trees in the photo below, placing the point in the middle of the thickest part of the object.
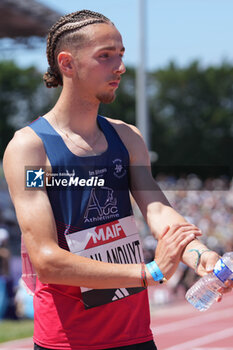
(190, 108)
(193, 108)
(191, 113)
(22, 99)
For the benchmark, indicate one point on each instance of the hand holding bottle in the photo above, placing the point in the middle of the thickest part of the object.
(210, 287)
(207, 263)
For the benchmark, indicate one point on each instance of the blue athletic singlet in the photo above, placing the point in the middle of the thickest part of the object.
(90, 200)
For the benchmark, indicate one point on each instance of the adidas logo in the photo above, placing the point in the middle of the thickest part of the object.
(120, 293)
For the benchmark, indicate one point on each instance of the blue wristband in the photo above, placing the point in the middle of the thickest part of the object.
(155, 271)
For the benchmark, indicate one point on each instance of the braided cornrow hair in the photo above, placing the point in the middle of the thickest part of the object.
(63, 31)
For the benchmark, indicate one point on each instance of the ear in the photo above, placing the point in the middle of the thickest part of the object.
(65, 63)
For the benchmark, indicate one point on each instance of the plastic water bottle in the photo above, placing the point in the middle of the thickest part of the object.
(204, 292)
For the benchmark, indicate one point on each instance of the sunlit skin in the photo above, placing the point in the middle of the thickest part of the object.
(97, 66)
(91, 74)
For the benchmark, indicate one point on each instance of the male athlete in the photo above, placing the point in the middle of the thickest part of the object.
(81, 236)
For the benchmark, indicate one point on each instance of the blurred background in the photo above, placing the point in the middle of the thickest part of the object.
(178, 88)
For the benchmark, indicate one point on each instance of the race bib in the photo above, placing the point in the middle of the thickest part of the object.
(115, 242)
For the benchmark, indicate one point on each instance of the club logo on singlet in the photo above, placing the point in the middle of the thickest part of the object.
(102, 205)
(119, 169)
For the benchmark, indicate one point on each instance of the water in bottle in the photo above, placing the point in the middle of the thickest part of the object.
(204, 292)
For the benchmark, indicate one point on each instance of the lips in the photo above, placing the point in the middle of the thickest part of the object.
(114, 83)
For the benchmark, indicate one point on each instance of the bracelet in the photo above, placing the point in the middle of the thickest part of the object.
(143, 276)
(199, 254)
(156, 272)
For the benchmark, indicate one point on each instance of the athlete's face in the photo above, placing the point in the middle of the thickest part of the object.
(99, 63)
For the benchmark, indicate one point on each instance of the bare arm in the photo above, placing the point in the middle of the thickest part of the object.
(34, 213)
(36, 220)
(153, 204)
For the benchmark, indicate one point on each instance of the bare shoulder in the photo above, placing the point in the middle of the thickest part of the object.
(133, 140)
(124, 129)
(25, 149)
(25, 137)
(25, 145)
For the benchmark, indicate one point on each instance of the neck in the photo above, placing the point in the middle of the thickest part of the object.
(75, 113)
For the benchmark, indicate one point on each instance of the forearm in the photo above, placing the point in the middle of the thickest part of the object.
(58, 266)
(190, 254)
(159, 216)
(62, 267)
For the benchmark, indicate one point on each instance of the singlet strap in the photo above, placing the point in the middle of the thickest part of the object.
(53, 142)
(57, 151)
(111, 134)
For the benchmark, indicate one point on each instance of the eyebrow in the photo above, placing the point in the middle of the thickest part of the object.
(112, 48)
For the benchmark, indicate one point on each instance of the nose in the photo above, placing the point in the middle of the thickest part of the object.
(120, 67)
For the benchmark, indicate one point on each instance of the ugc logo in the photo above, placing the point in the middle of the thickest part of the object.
(35, 178)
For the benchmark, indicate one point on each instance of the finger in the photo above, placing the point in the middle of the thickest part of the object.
(166, 229)
(180, 245)
(208, 260)
(183, 224)
(183, 232)
(184, 227)
(219, 298)
(229, 283)
(224, 290)
(190, 228)
(183, 237)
